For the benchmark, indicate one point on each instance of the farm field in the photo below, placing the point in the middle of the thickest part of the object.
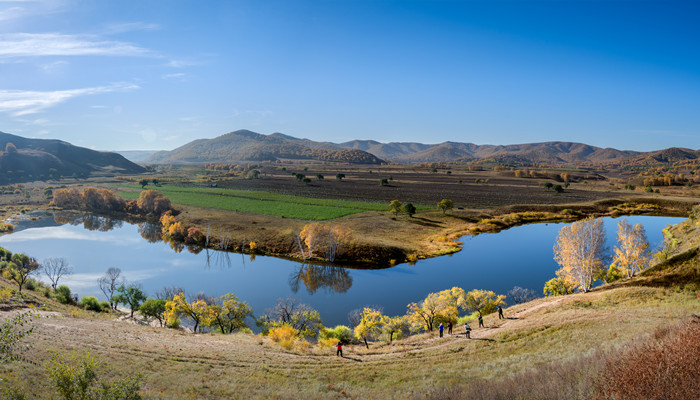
(258, 202)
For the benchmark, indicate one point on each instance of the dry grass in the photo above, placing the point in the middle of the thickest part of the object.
(180, 366)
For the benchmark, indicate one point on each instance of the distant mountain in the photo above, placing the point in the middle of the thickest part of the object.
(137, 156)
(23, 159)
(246, 146)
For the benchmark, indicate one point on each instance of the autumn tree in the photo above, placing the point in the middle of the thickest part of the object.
(579, 249)
(290, 312)
(130, 295)
(395, 207)
(21, 267)
(445, 204)
(631, 255)
(330, 241)
(229, 315)
(153, 308)
(109, 283)
(558, 287)
(395, 326)
(195, 310)
(484, 301)
(370, 326)
(55, 268)
(436, 307)
(153, 202)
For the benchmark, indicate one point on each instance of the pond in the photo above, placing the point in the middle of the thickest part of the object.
(520, 256)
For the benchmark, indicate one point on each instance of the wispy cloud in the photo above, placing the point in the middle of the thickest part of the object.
(19, 102)
(178, 77)
(56, 44)
(124, 27)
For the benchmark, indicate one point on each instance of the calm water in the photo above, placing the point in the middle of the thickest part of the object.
(520, 256)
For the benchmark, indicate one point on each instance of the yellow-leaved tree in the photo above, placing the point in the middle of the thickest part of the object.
(436, 307)
(228, 316)
(370, 326)
(579, 249)
(483, 301)
(196, 310)
(632, 252)
(328, 241)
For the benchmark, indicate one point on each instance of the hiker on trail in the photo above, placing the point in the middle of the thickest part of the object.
(481, 321)
(440, 329)
(500, 313)
(449, 327)
(467, 329)
(339, 346)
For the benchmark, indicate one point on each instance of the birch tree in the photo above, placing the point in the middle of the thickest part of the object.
(579, 249)
(632, 253)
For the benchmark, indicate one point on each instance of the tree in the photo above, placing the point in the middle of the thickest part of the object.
(558, 189)
(195, 310)
(410, 209)
(319, 177)
(55, 268)
(579, 249)
(394, 325)
(632, 252)
(370, 326)
(395, 207)
(153, 308)
(130, 295)
(445, 204)
(383, 182)
(436, 307)
(548, 185)
(520, 295)
(484, 301)
(21, 267)
(153, 202)
(339, 176)
(12, 330)
(330, 241)
(558, 287)
(109, 284)
(230, 315)
(143, 183)
(290, 312)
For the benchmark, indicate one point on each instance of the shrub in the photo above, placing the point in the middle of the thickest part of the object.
(5, 294)
(63, 295)
(284, 335)
(90, 303)
(340, 333)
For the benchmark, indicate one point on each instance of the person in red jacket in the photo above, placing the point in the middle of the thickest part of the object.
(339, 346)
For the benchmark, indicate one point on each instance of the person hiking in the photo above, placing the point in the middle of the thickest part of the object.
(500, 313)
(449, 327)
(440, 329)
(467, 330)
(481, 321)
(339, 346)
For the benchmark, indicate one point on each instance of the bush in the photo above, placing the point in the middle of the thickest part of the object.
(284, 335)
(340, 333)
(90, 303)
(104, 305)
(63, 295)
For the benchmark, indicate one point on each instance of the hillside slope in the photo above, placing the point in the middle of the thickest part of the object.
(25, 159)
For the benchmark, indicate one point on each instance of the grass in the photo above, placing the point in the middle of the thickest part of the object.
(257, 202)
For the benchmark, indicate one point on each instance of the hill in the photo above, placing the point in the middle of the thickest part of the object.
(246, 146)
(27, 159)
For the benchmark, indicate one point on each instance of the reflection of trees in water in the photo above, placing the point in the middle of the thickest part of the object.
(315, 277)
(90, 222)
(222, 259)
(151, 232)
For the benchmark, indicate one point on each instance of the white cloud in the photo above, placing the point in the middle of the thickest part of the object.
(56, 44)
(124, 27)
(98, 106)
(179, 76)
(171, 138)
(43, 132)
(53, 66)
(20, 102)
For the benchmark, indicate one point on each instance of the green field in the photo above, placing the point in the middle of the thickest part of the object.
(255, 202)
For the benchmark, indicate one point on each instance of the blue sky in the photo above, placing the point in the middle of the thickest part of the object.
(147, 74)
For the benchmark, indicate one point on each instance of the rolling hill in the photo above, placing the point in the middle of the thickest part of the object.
(25, 159)
(244, 145)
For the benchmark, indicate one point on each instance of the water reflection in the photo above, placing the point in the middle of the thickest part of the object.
(89, 221)
(150, 231)
(315, 277)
